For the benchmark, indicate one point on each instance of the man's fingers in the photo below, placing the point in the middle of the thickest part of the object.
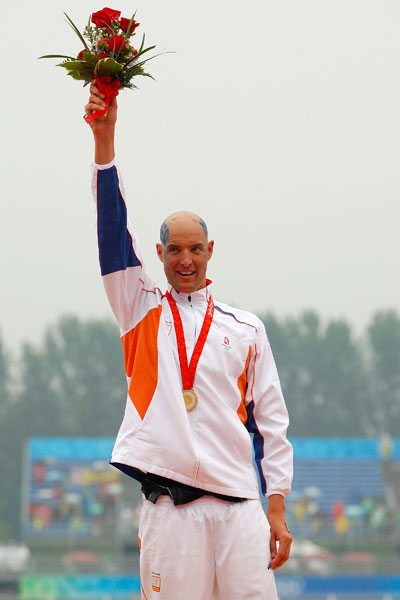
(91, 106)
(94, 91)
(279, 560)
(272, 545)
(109, 110)
(283, 553)
(95, 100)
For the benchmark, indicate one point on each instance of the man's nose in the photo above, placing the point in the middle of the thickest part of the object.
(186, 259)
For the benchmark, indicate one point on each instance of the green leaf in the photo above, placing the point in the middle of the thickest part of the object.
(78, 76)
(89, 57)
(107, 66)
(133, 72)
(155, 55)
(78, 33)
(142, 44)
(70, 65)
(134, 58)
(78, 69)
(57, 56)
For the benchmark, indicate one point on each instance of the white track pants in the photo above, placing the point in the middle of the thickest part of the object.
(205, 550)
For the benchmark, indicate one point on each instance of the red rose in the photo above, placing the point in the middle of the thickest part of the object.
(102, 18)
(116, 43)
(80, 55)
(124, 23)
(103, 54)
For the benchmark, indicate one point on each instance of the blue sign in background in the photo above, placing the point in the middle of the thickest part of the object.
(364, 586)
(38, 587)
(71, 448)
(336, 448)
(304, 448)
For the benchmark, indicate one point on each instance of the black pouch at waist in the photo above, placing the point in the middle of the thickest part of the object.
(154, 486)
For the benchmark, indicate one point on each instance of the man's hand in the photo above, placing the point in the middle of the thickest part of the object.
(279, 531)
(103, 130)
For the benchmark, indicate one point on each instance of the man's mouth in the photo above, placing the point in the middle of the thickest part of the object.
(186, 273)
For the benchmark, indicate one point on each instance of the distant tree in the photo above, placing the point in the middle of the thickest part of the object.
(322, 373)
(86, 374)
(5, 458)
(72, 385)
(5, 378)
(384, 363)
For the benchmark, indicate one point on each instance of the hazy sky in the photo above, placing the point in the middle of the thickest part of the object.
(277, 121)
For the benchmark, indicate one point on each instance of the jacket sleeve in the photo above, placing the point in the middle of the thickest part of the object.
(268, 419)
(130, 291)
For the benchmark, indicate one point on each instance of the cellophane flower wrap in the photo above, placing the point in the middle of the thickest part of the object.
(108, 56)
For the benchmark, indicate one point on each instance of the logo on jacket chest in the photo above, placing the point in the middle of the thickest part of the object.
(226, 343)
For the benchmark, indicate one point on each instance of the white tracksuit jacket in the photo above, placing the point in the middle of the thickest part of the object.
(236, 380)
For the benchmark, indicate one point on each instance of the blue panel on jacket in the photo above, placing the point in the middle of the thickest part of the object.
(258, 443)
(115, 242)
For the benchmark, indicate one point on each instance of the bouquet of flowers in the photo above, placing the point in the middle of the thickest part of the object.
(108, 57)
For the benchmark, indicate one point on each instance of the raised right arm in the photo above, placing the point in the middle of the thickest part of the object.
(128, 288)
(103, 130)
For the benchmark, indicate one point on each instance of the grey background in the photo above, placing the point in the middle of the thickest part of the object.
(277, 121)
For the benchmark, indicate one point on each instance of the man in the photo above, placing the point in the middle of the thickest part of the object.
(201, 376)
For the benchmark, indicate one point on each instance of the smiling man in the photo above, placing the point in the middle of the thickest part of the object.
(201, 378)
(185, 251)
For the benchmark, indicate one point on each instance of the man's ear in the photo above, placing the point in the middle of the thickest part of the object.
(210, 247)
(160, 253)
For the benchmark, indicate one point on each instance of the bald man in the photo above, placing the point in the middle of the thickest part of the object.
(201, 377)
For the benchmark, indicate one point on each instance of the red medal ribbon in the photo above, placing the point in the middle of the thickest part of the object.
(188, 372)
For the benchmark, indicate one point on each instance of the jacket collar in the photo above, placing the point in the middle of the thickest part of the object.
(199, 297)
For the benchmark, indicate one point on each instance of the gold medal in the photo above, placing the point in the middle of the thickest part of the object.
(188, 371)
(190, 398)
